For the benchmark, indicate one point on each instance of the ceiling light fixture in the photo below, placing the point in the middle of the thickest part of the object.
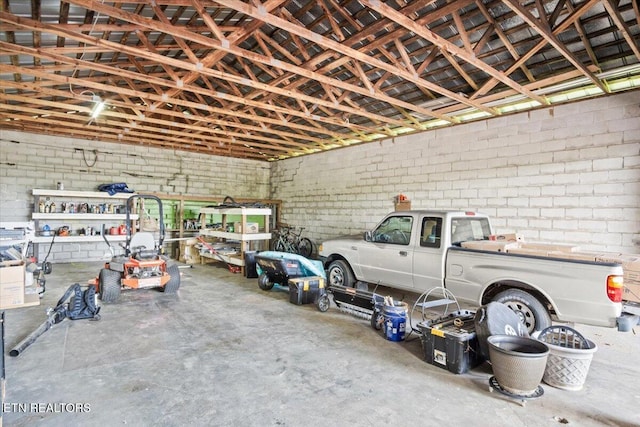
(97, 109)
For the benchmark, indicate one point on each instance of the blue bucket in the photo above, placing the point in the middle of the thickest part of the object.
(395, 320)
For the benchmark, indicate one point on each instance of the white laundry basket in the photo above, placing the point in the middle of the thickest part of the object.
(570, 356)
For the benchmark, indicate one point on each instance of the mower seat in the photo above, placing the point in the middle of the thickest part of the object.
(143, 246)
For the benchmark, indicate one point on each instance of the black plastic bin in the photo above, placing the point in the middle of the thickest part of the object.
(305, 290)
(450, 342)
(250, 271)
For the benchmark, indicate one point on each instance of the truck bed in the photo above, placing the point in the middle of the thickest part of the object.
(576, 288)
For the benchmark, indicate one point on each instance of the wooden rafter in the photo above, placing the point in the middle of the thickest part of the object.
(274, 79)
(543, 28)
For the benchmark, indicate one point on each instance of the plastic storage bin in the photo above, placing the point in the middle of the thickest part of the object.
(305, 290)
(570, 356)
(450, 342)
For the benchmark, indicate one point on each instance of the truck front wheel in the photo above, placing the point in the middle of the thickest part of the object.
(340, 274)
(530, 311)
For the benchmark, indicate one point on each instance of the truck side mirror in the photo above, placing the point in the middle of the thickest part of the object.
(367, 236)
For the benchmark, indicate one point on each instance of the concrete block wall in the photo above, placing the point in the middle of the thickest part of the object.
(568, 173)
(29, 161)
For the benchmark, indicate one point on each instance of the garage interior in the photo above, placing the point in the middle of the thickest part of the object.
(324, 111)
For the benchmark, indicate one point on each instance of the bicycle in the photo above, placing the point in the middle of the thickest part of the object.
(287, 240)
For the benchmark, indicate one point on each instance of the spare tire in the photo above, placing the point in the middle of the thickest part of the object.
(496, 319)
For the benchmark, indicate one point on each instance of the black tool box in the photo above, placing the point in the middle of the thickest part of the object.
(305, 290)
(450, 342)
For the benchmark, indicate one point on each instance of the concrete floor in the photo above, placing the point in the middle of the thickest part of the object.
(225, 353)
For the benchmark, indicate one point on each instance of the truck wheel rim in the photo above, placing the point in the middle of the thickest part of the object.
(524, 313)
(336, 277)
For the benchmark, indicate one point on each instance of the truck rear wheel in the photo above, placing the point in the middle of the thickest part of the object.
(530, 311)
(340, 274)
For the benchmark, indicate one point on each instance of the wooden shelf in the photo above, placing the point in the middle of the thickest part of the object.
(80, 239)
(236, 211)
(81, 194)
(78, 218)
(82, 216)
(236, 236)
(229, 259)
(244, 238)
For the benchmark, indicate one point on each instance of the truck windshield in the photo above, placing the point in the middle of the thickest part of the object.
(465, 229)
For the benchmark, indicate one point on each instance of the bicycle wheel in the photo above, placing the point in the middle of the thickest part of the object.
(279, 246)
(305, 247)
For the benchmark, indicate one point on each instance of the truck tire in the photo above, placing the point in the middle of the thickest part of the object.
(340, 274)
(530, 311)
(109, 282)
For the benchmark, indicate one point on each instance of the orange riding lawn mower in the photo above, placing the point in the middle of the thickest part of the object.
(143, 265)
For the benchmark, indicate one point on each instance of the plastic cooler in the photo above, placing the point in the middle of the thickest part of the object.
(305, 290)
(450, 342)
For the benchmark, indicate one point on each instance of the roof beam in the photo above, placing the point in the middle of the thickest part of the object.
(445, 45)
(259, 13)
(622, 26)
(542, 27)
(583, 8)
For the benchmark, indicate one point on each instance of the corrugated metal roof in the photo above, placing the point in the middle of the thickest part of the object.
(290, 77)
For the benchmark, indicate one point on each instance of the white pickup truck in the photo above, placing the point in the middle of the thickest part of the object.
(420, 250)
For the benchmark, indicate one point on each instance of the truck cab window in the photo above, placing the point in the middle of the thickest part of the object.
(466, 229)
(395, 230)
(430, 236)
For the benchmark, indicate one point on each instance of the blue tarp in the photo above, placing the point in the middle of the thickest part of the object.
(117, 187)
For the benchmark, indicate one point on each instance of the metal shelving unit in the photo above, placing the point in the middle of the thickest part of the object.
(69, 196)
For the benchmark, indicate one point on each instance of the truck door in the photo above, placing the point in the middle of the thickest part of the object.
(428, 259)
(389, 257)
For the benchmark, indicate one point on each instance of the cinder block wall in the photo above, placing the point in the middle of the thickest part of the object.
(566, 173)
(30, 161)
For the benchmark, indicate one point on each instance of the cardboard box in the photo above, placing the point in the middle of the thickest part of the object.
(403, 206)
(12, 273)
(12, 285)
(632, 291)
(629, 262)
(609, 257)
(512, 237)
(490, 245)
(11, 295)
(252, 227)
(632, 277)
(189, 253)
